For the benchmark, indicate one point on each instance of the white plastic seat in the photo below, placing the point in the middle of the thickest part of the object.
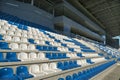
(74, 55)
(41, 56)
(25, 40)
(33, 56)
(30, 36)
(69, 55)
(23, 56)
(10, 33)
(24, 35)
(13, 28)
(31, 47)
(17, 33)
(2, 31)
(45, 68)
(4, 27)
(84, 63)
(79, 62)
(36, 71)
(35, 36)
(23, 46)
(37, 41)
(53, 66)
(24, 31)
(1, 23)
(29, 33)
(16, 39)
(14, 46)
(7, 38)
(42, 42)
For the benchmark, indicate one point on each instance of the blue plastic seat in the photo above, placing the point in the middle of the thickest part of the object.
(2, 59)
(1, 37)
(7, 74)
(60, 56)
(66, 65)
(45, 48)
(71, 49)
(11, 56)
(25, 27)
(80, 55)
(48, 55)
(61, 79)
(31, 41)
(89, 61)
(40, 48)
(75, 76)
(75, 64)
(22, 71)
(47, 42)
(71, 64)
(4, 45)
(64, 55)
(55, 49)
(54, 56)
(69, 77)
(65, 45)
(60, 65)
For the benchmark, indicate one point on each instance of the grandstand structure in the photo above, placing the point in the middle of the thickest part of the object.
(52, 40)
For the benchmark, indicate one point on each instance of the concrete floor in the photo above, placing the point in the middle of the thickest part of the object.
(112, 73)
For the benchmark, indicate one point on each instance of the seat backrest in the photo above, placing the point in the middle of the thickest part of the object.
(59, 64)
(24, 39)
(34, 68)
(69, 77)
(31, 41)
(32, 55)
(1, 56)
(53, 65)
(31, 47)
(22, 70)
(23, 46)
(45, 66)
(6, 72)
(7, 38)
(54, 55)
(66, 63)
(75, 76)
(1, 37)
(61, 79)
(11, 55)
(10, 33)
(16, 39)
(13, 46)
(22, 56)
(48, 55)
(41, 55)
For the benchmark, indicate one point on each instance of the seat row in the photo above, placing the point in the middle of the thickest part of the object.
(22, 73)
(88, 73)
(22, 56)
(67, 65)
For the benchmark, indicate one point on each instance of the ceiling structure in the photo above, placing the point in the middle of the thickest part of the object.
(107, 12)
(104, 12)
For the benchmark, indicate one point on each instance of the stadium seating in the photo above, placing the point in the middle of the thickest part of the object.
(44, 52)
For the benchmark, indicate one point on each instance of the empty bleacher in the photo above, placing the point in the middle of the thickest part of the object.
(30, 52)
